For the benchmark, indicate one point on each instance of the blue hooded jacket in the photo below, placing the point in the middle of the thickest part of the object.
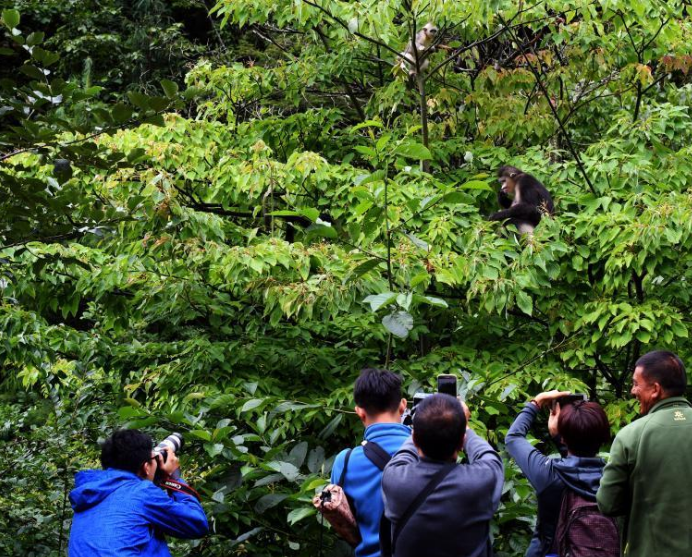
(118, 514)
(549, 477)
(363, 483)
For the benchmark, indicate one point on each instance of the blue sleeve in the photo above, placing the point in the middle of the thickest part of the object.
(338, 466)
(530, 460)
(179, 515)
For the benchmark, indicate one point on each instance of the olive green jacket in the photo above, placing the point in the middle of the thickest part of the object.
(648, 481)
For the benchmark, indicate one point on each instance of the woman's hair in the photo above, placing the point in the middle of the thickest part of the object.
(583, 427)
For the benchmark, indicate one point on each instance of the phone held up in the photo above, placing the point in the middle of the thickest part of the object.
(446, 383)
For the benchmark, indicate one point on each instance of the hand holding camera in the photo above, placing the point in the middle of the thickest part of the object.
(555, 400)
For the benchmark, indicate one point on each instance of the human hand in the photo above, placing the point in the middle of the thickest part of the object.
(553, 419)
(467, 412)
(171, 465)
(548, 397)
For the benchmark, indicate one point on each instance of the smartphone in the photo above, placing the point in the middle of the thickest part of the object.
(570, 399)
(447, 384)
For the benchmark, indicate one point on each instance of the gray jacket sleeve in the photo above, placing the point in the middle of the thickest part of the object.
(397, 473)
(482, 456)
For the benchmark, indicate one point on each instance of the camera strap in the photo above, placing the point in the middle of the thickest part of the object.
(169, 484)
(376, 454)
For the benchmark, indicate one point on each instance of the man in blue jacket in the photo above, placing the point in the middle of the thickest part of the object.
(379, 405)
(120, 512)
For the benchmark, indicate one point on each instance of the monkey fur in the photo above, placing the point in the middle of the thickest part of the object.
(523, 199)
(423, 48)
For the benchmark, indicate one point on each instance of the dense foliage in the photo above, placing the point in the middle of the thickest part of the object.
(220, 254)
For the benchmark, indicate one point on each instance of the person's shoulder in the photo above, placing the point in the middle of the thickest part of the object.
(146, 490)
(340, 460)
(632, 430)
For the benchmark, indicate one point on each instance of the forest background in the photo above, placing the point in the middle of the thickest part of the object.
(213, 215)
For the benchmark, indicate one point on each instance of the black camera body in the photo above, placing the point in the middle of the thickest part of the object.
(446, 384)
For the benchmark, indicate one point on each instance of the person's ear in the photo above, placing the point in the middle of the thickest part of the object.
(361, 414)
(657, 391)
(144, 469)
(402, 406)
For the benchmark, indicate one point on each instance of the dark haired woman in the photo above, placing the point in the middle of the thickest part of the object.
(583, 428)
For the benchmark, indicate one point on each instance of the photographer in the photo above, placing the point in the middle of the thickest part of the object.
(583, 427)
(379, 405)
(437, 507)
(119, 511)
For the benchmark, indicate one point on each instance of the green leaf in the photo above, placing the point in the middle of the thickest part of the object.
(286, 469)
(298, 454)
(170, 88)
(32, 71)
(251, 404)
(433, 301)
(398, 323)
(310, 213)
(367, 124)
(422, 244)
(525, 302)
(296, 515)
(320, 231)
(331, 426)
(129, 412)
(269, 501)
(202, 434)
(414, 151)
(376, 301)
(476, 185)
(35, 38)
(364, 268)
(121, 112)
(138, 99)
(10, 18)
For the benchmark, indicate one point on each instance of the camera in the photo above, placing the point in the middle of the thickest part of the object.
(446, 384)
(173, 443)
(569, 399)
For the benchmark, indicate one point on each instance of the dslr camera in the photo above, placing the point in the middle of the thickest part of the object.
(173, 443)
(446, 384)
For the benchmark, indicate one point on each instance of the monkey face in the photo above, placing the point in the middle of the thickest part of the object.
(507, 178)
(508, 184)
(430, 30)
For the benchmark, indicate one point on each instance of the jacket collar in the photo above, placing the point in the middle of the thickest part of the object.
(375, 431)
(670, 401)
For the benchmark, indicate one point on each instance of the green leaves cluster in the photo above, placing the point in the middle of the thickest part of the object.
(222, 259)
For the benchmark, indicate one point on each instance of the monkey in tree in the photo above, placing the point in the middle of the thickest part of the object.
(425, 39)
(523, 199)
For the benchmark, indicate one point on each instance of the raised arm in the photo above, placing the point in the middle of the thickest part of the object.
(179, 515)
(529, 459)
(481, 455)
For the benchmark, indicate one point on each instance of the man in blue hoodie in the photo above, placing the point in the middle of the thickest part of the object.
(120, 512)
(583, 427)
(379, 405)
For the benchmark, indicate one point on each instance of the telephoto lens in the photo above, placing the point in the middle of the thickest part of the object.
(173, 443)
